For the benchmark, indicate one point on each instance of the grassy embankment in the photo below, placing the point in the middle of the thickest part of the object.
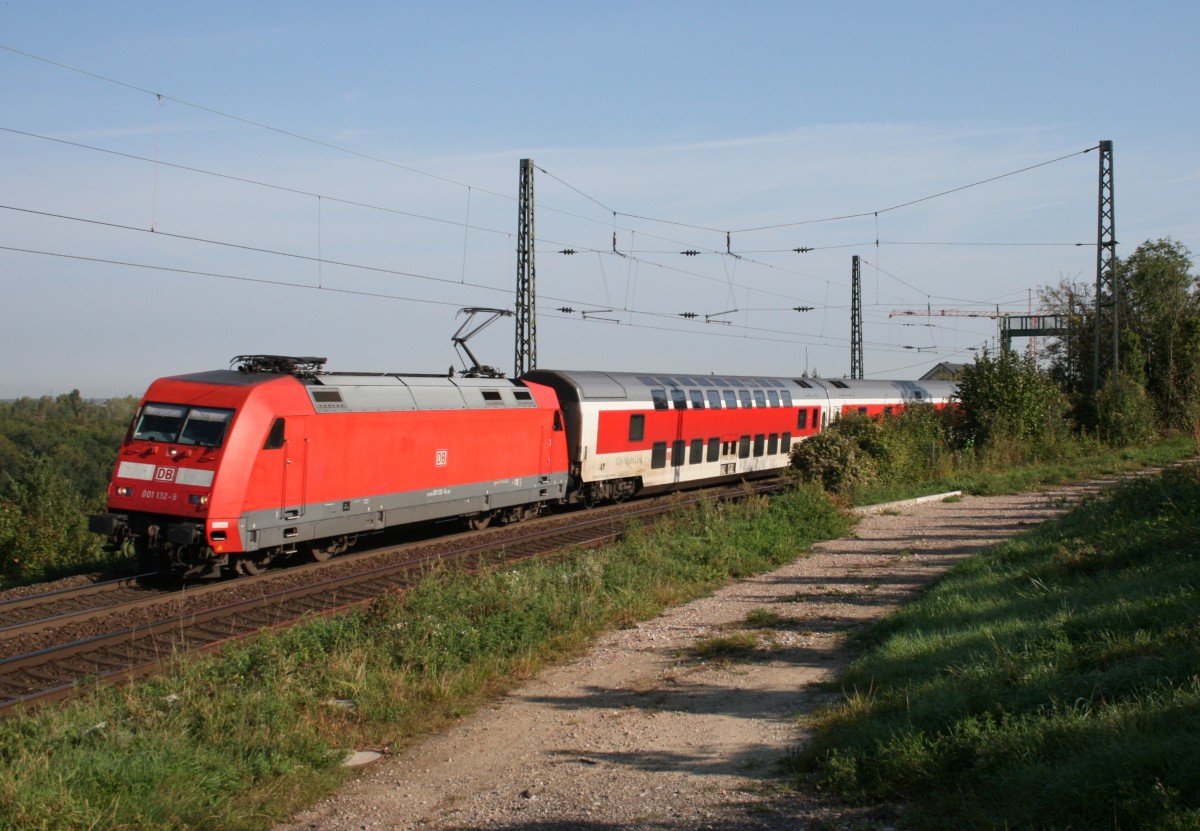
(1053, 682)
(237, 740)
(1007, 468)
(234, 741)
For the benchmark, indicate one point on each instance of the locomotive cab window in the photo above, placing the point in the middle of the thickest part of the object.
(275, 437)
(204, 426)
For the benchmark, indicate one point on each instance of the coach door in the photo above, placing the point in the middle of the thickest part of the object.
(295, 470)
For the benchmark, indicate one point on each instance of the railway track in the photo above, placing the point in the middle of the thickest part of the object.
(139, 634)
(35, 611)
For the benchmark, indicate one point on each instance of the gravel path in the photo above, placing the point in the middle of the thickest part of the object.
(642, 734)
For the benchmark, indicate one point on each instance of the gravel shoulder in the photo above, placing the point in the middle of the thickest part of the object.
(639, 733)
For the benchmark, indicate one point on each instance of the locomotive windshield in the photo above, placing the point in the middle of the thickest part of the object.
(181, 424)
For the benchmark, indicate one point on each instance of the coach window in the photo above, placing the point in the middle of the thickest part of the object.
(637, 427)
(696, 454)
(677, 452)
(787, 398)
(818, 416)
(660, 399)
(760, 444)
(773, 397)
(887, 411)
(760, 398)
(772, 444)
(730, 399)
(744, 447)
(680, 400)
(658, 454)
(802, 419)
(744, 397)
(714, 450)
(275, 437)
(862, 410)
(714, 399)
(785, 443)
(697, 399)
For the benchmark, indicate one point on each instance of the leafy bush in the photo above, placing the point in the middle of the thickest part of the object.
(43, 522)
(1124, 413)
(56, 455)
(834, 458)
(1009, 396)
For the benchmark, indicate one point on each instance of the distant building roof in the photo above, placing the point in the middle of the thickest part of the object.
(944, 371)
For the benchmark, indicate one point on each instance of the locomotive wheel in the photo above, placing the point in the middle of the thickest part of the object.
(251, 567)
(254, 565)
(478, 523)
(333, 546)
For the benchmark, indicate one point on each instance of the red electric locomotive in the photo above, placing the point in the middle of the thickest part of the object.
(234, 469)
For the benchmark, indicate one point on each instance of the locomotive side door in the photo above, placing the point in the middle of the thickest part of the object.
(295, 470)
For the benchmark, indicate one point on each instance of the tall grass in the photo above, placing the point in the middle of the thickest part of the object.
(1053, 682)
(234, 741)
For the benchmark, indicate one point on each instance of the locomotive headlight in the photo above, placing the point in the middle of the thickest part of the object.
(124, 490)
(198, 499)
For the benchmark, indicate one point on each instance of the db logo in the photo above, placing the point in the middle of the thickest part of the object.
(440, 458)
(165, 474)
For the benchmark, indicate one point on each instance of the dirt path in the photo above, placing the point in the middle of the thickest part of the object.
(641, 734)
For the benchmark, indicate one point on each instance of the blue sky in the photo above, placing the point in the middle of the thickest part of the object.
(341, 182)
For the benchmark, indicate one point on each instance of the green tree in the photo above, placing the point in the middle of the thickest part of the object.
(1159, 342)
(1008, 396)
(1160, 313)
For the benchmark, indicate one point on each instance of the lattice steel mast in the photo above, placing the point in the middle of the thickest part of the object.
(1106, 262)
(856, 326)
(526, 351)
